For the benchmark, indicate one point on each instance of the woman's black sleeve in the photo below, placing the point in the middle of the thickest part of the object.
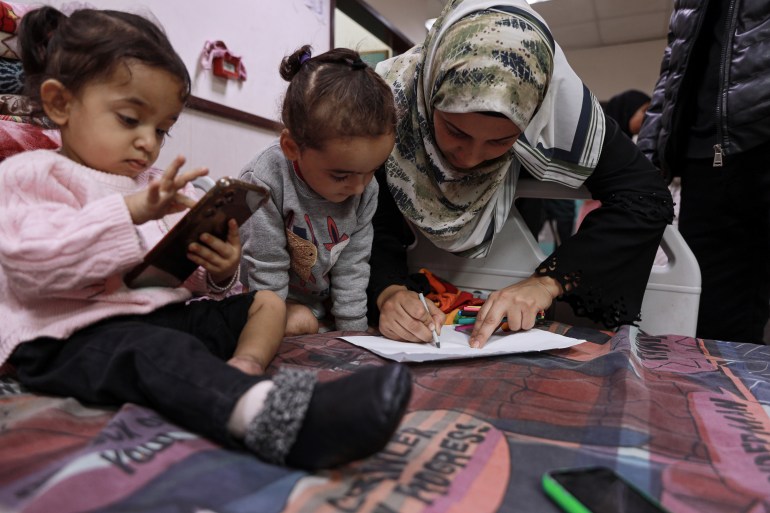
(605, 266)
(388, 262)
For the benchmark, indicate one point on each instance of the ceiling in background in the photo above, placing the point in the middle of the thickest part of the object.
(579, 24)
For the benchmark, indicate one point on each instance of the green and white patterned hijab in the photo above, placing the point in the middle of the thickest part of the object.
(486, 56)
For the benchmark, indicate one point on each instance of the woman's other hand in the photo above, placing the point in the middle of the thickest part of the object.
(520, 303)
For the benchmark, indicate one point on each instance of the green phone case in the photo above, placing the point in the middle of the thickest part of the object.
(562, 497)
(571, 504)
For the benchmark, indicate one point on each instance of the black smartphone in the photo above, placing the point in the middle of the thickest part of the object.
(596, 490)
(167, 265)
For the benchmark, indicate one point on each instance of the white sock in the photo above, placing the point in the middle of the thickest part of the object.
(247, 407)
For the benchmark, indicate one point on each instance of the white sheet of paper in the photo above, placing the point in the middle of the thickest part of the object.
(454, 345)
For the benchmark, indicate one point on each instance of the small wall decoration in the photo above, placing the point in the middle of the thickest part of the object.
(217, 58)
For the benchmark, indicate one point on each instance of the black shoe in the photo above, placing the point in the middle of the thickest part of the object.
(351, 418)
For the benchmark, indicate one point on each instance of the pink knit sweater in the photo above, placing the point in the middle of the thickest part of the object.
(66, 240)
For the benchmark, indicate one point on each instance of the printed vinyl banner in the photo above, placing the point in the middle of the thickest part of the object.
(686, 420)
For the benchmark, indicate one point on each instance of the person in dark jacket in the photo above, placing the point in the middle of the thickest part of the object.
(709, 122)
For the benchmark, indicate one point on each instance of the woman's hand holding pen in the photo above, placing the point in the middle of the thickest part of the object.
(403, 316)
(519, 303)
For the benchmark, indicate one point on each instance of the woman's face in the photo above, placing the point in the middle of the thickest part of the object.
(470, 139)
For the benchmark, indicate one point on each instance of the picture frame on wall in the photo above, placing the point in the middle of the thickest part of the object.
(373, 57)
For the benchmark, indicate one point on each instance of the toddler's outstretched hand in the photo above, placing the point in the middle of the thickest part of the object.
(220, 258)
(162, 196)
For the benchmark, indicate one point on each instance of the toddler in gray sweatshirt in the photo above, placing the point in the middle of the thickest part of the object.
(311, 242)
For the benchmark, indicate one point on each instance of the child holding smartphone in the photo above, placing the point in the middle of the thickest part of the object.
(311, 242)
(73, 222)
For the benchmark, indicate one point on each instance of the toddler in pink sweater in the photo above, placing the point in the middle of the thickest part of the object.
(73, 222)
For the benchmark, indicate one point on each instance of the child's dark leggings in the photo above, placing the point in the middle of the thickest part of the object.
(172, 360)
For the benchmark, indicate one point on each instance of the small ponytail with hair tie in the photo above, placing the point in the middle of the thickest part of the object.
(34, 32)
(356, 63)
(291, 65)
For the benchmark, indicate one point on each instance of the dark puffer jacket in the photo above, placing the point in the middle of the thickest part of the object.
(743, 106)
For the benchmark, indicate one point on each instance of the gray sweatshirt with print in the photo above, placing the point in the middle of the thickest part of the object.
(306, 248)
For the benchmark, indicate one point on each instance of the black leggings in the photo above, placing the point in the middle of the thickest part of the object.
(172, 360)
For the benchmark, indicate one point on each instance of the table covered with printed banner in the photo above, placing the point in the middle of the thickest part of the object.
(684, 419)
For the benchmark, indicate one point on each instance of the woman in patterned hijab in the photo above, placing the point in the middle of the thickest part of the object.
(487, 92)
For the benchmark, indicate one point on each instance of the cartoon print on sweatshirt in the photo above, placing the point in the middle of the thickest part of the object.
(303, 250)
(338, 242)
(303, 254)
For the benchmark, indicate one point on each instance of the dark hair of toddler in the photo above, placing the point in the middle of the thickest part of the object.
(334, 95)
(88, 45)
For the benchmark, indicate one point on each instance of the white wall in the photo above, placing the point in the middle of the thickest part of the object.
(610, 70)
(221, 145)
(349, 34)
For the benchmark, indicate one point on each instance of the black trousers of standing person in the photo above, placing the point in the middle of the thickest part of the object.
(172, 360)
(725, 218)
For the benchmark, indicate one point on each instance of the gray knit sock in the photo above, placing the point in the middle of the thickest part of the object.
(273, 430)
